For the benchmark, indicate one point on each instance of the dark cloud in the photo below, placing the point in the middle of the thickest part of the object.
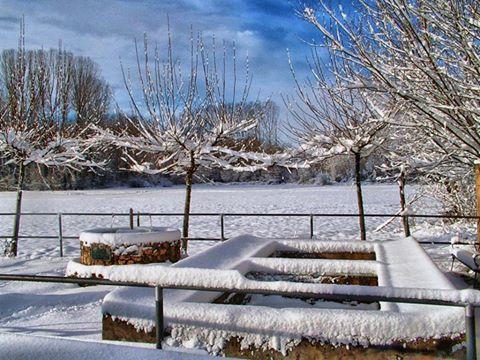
(8, 22)
(271, 7)
(9, 19)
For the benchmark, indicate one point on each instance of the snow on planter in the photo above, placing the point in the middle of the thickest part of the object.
(75, 269)
(104, 249)
(123, 246)
(213, 321)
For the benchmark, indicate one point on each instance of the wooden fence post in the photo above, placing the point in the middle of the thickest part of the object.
(131, 218)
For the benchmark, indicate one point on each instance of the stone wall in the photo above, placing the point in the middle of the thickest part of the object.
(101, 254)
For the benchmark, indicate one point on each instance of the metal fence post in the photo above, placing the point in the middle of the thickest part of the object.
(158, 316)
(222, 227)
(138, 219)
(311, 226)
(16, 221)
(470, 332)
(60, 234)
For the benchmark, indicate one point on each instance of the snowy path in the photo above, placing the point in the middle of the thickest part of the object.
(72, 311)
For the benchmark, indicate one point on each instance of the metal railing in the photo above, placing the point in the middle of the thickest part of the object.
(221, 216)
(344, 296)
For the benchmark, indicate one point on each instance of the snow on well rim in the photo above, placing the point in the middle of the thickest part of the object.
(124, 235)
(77, 269)
(402, 267)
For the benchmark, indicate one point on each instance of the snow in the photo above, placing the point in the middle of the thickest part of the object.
(326, 246)
(125, 236)
(312, 266)
(37, 146)
(75, 312)
(75, 268)
(223, 198)
(280, 302)
(412, 276)
(403, 270)
(27, 347)
(361, 327)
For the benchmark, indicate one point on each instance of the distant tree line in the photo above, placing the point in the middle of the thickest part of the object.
(57, 87)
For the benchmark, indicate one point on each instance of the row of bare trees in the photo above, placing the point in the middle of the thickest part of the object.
(401, 77)
(46, 98)
(423, 55)
(188, 114)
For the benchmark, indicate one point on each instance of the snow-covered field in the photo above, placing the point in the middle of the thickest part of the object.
(71, 311)
(217, 199)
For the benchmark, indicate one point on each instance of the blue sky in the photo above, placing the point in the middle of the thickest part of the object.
(105, 30)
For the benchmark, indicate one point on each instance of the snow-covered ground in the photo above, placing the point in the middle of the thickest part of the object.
(71, 311)
(25, 347)
(224, 198)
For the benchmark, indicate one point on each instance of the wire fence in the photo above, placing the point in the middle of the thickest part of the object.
(142, 216)
(159, 317)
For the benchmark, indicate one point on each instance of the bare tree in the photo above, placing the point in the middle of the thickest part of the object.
(267, 130)
(424, 54)
(409, 157)
(33, 120)
(190, 114)
(333, 119)
(90, 93)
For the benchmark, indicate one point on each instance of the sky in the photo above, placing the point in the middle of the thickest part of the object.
(105, 31)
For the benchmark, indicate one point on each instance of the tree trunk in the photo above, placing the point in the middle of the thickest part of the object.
(477, 188)
(358, 184)
(188, 197)
(403, 203)
(11, 245)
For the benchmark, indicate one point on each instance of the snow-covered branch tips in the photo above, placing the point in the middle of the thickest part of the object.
(190, 114)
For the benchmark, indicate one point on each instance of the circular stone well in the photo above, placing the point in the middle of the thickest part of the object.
(123, 246)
